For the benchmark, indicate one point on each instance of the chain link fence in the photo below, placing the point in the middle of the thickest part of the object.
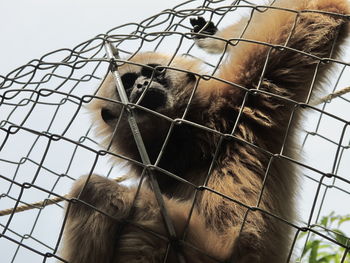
(47, 139)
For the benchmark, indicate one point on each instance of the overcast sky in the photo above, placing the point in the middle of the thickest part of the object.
(31, 28)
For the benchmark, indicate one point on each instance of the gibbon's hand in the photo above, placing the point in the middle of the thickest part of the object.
(200, 25)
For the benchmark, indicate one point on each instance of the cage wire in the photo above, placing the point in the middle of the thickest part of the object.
(46, 138)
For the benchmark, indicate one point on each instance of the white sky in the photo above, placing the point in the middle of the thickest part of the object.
(31, 28)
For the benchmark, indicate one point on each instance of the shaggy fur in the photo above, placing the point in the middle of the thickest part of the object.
(239, 171)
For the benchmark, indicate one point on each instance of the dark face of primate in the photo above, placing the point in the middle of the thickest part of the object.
(163, 98)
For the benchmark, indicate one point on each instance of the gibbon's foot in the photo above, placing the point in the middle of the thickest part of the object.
(98, 205)
(200, 25)
(101, 193)
(247, 248)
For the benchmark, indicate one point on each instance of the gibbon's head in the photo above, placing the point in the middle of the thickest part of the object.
(161, 91)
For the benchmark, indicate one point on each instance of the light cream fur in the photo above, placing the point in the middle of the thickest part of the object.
(221, 226)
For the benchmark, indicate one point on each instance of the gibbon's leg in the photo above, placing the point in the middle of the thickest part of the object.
(92, 226)
(89, 234)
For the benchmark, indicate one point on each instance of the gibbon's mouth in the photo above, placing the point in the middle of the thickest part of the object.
(153, 99)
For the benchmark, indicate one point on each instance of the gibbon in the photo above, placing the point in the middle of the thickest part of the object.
(222, 143)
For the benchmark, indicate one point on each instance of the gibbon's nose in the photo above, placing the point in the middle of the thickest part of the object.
(107, 115)
(152, 91)
(152, 98)
(142, 85)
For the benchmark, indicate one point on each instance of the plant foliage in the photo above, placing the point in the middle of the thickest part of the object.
(326, 242)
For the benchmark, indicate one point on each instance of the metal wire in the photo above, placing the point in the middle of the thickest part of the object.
(43, 118)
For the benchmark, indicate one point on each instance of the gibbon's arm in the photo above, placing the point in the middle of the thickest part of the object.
(92, 229)
(288, 72)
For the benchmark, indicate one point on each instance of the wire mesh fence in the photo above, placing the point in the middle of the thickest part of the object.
(47, 139)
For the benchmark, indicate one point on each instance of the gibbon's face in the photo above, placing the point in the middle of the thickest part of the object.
(163, 94)
(150, 84)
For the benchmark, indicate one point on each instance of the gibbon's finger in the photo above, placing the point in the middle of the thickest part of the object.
(200, 25)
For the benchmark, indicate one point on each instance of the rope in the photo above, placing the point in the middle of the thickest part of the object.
(39, 205)
(331, 96)
(44, 203)
(55, 200)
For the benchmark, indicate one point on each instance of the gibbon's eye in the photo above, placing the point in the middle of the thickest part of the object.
(107, 115)
(129, 79)
(148, 71)
(191, 77)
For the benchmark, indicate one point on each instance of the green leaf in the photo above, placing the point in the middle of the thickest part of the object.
(324, 221)
(338, 258)
(314, 251)
(341, 237)
(319, 251)
(307, 248)
(326, 259)
(344, 219)
(301, 235)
